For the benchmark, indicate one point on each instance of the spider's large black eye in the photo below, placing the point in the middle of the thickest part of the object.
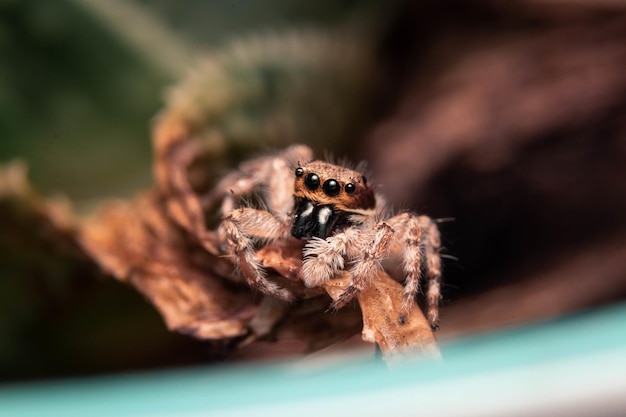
(312, 181)
(331, 187)
(299, 172)
(350, 188)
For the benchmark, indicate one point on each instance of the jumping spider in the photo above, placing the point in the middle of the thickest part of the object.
(345, 225)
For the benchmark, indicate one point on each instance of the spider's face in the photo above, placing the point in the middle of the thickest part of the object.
(326, 195)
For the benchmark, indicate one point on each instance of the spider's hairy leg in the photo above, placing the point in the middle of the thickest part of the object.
(238, 231)
(375, 244)
(271, 170)
(324, 257)
(408, 228)
(279, 193)
(432, 244)
(420, 252)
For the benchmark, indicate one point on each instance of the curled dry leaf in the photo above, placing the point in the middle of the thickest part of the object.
(138, 243)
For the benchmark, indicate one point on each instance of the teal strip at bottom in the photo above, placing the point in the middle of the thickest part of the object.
(574, 366)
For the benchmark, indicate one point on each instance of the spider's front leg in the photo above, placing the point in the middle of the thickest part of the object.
(238, 231)
(372, 246)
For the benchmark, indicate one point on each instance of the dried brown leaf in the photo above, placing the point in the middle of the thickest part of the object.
(139, 244)
(34, 227)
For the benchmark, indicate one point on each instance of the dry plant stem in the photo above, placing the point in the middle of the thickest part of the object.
(381, 304)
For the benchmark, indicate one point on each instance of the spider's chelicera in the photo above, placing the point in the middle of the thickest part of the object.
(344, 222)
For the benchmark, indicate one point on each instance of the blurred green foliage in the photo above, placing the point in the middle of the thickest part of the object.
(75, 103)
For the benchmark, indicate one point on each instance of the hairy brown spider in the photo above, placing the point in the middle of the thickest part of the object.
(344, 223)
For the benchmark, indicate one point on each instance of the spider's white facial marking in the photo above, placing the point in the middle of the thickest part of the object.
(315, 220)
(308, 210)
(323, 215)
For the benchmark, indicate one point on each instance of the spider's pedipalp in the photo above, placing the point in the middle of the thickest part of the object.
(324, 257)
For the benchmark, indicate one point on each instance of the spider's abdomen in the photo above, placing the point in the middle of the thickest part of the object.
(316, 220)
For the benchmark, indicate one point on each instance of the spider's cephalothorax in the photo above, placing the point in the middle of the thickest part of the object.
(344, 223)
(326, 199)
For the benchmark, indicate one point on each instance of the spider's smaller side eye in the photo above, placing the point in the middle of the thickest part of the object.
(350, 188)
(299, 172)
(364, 180)
(312, 181)
(331, 187)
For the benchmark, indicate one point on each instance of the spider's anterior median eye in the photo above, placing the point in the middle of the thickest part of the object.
(331, 187)
(350, 188)
(312, 181)
(299, 172)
